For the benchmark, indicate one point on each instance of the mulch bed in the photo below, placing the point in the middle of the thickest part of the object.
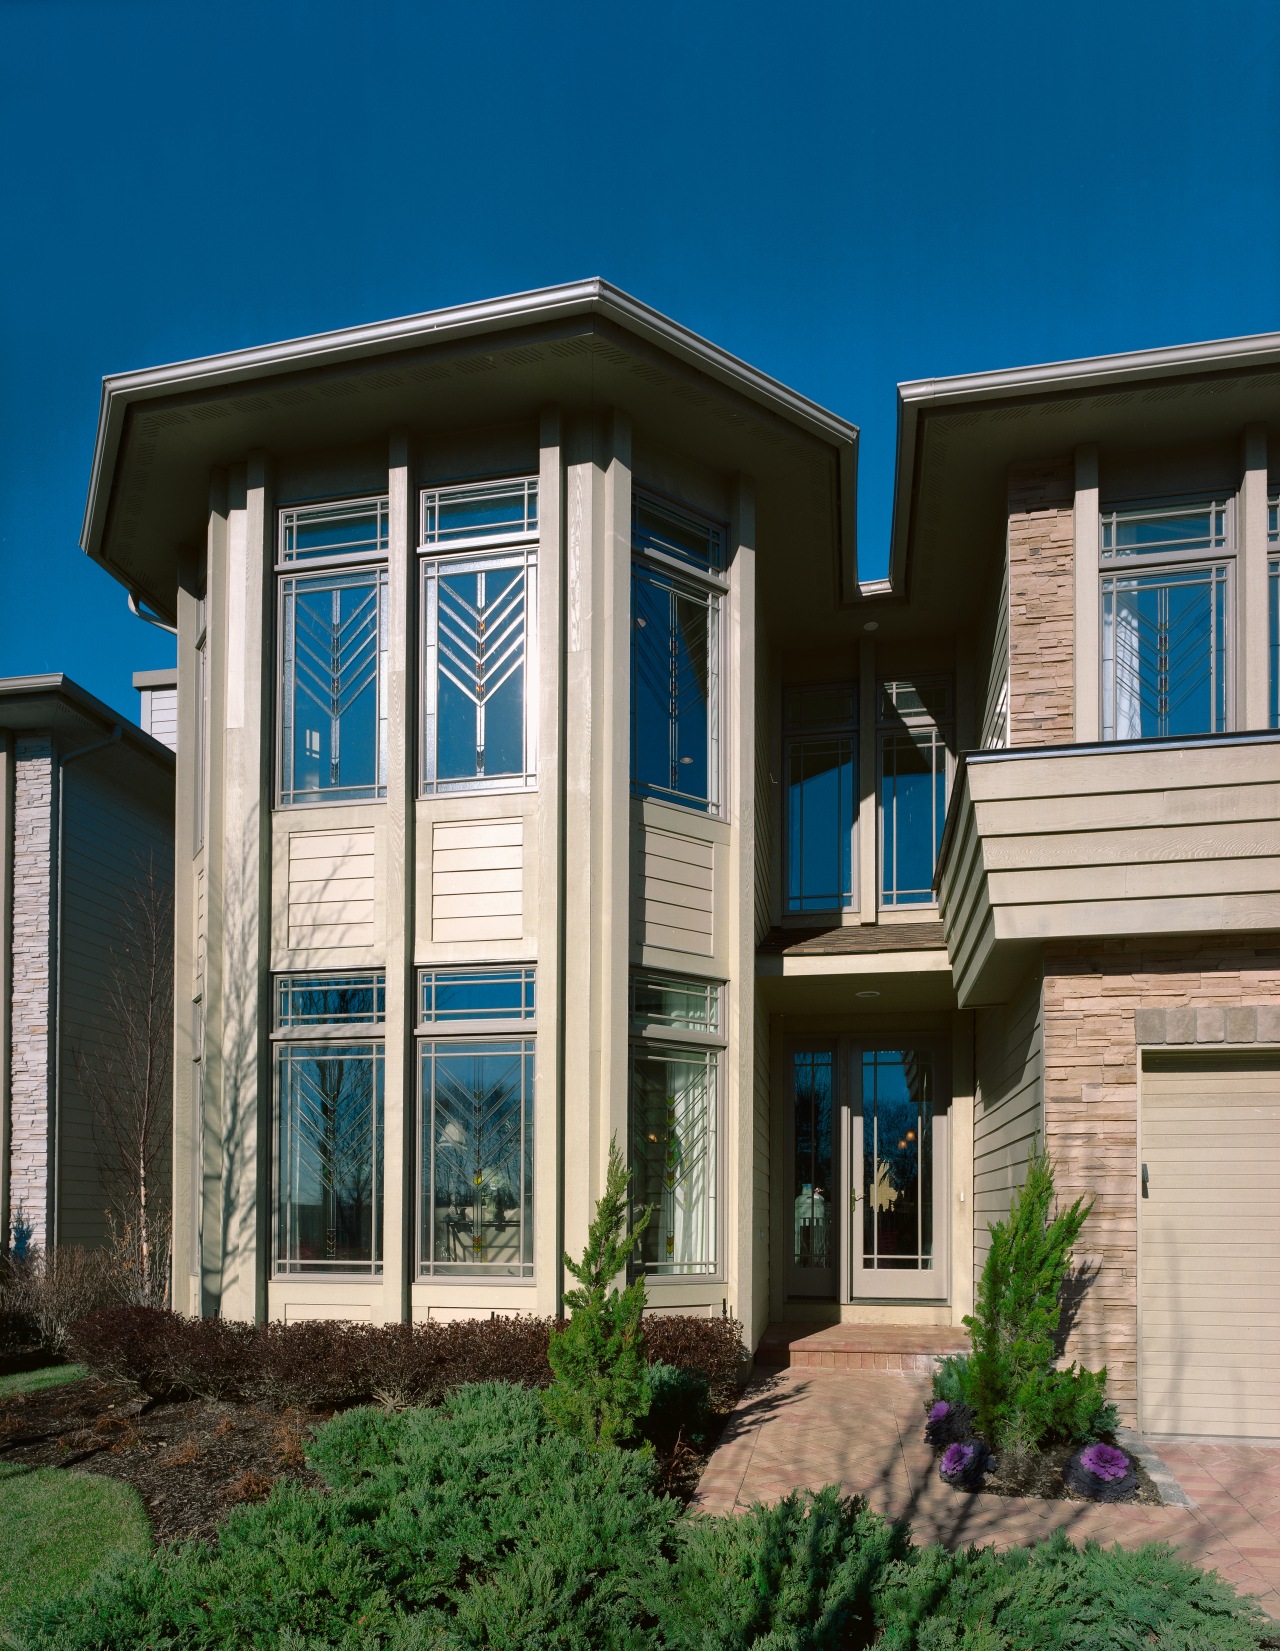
(189, 1460)
(1041, 1475)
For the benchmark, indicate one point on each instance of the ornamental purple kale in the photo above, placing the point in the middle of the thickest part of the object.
(948, 1424)
(1101, 1472)
(964, 1463)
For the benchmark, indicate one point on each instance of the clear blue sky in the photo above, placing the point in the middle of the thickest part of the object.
(845, 194)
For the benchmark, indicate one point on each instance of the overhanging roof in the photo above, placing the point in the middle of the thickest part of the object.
(55, 704)
(201, 396)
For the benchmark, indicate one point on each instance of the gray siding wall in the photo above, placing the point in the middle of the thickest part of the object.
(1009, 1106)
(117, 819)
(30, 1064)
(160, 715)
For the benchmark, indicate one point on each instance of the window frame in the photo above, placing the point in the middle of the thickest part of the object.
(364, 1033)
(708, 584)
(1140, 564)
(794, 738)
(519, 1032)
(648, 1035)
(943, 735)
(376, 560)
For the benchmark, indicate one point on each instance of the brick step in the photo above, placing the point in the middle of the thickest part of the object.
(913, 1348)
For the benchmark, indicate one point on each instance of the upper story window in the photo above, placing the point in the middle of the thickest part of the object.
(200, 789)
(914, 739)
(1273, 604)
(820, 742)
(1166, 613)
(478, 553)
(677, 583)
(332, 629)
(329, 1058)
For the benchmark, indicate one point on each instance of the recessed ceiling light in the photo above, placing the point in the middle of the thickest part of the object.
(872, 625)
(866, 994)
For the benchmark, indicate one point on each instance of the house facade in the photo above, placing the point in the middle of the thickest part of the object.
(86, 831)
(547, 775)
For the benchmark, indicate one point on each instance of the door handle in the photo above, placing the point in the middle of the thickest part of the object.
(1145, 1186)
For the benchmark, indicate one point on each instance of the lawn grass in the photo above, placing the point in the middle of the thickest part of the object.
(31, 1381)
(56, 1528)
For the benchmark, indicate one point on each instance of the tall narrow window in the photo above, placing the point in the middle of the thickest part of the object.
(1166, 617)
(478, 548)
(821, 740)
(914, 740)
(475, 1055)
(333, 652)
(676, 587)
(200, 789)
(675, 1068)
(329, 1081)
(897, 1160)
(1273, 604)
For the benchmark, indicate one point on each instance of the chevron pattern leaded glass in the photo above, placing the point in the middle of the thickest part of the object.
(477, 1158)
(673, 1157)
(329, 1182)
(333, 722)
(1164, 653)
(673, 689)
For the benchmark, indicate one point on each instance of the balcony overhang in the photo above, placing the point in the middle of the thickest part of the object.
(1156, 837)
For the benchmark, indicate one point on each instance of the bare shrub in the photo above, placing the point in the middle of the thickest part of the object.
(52, 1289)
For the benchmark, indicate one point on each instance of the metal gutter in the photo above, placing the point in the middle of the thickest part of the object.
(595, 296)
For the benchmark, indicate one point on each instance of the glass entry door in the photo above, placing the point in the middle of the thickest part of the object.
(867, 1171)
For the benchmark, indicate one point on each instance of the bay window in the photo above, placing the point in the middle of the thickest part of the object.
(332, 628)
(676, 1050)
(475, 1103)
(1167, 573)
(478, 554)
(329, 1054)
(677, 584)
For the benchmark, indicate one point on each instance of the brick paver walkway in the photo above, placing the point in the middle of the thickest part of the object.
(865, 1429)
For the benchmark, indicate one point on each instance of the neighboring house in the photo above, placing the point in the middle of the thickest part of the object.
(547, 774)
(86, 809)
(158, 691)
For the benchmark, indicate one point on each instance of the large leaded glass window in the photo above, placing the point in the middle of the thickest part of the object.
(897, 1160)
(820, 736)
(676, 588)
(914, 739)
(332, 625)
(329, 1083)
(675, 1082)
(1273, 605)
(476, 1122)
(479, 586)
(1166, 617)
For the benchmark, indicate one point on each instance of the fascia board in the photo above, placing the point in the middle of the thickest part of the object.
(122, 390)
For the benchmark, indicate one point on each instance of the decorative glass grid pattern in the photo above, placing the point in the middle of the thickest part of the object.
(897, 1160)
(480, 510)
(813, 1083)
(666, 1001)
(476, 1205)
(200, 789)
(673, 1157)
(344, 527)
(338, 1000)
(674, 690)
(477, 722)
(463, 998)
(668, 531)
(914, 783)
(820, 761)
(1199, 528)
(333, 726)
(1164, 653)
(329, 1158)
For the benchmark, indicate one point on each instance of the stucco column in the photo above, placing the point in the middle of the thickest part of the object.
(1088, 605)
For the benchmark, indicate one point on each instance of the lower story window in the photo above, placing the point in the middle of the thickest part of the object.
(329, 1210)
(477, 1158)
(673, 1158)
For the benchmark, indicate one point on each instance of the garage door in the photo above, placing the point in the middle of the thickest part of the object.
(1209, 1246)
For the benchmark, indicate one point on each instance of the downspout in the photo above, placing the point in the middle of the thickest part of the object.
(112, 738)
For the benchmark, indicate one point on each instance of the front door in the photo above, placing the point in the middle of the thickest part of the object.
(867, 1170)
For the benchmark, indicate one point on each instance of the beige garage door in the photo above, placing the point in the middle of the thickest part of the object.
(1209, 1246)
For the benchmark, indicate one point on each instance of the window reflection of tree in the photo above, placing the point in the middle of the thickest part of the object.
(477, 1158)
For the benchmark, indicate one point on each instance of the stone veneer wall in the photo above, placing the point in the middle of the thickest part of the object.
(30, 1061)
(1041, 602)
(1103, 1001)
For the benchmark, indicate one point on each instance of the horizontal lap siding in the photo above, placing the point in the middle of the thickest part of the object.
(477, 880)
(1008, 1117)
(673, 891)
(332, 889)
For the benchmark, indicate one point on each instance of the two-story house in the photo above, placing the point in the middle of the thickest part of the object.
(547, 774)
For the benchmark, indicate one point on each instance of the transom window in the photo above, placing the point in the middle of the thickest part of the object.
(476, 1122)
(675, 655)
(332, 628)
(676, 1051)
(914, 740)
(479, 592)
(329, 1059)
(820, 739)
(1165, 656)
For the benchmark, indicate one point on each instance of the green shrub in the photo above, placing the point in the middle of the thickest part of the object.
(712, 1346)
(600, 1391)
(1055, 1595)
(1018, 1398)
(679, 1406)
